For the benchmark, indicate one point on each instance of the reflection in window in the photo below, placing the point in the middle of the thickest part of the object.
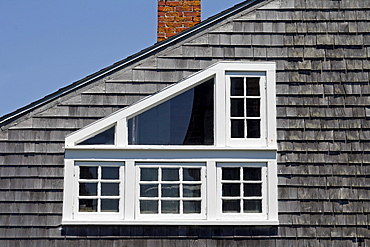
(186, 119)
(104, 138)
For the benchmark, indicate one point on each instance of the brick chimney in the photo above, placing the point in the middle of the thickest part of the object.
(175, 16)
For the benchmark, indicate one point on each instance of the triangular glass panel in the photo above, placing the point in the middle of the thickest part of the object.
(103, 138)
(187, 119)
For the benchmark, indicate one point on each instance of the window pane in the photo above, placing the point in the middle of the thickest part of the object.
(148, 207)
(237, 107)
(170, 174)
(191, 174)
(104, 138)
(148, 190)
(251, 173)
(237, 86)
(109, 189)
(252, 190)
(88, 205)
(237, 128)
(252, 206)
(191, 190)
(170, 207)
(231, 173)
(231, 206)
(88, 189)
(110, 172)
(192, 207)
(186, 119)
(253, 128)
(148, 174)
(253, 86)
(253, 107)
(170, 190)
(88, 172)
(231, 189)
(109, 205)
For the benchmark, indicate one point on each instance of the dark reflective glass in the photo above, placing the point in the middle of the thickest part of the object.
(252, 190)
(230, 173)
(191, 174)
(230, 189)
(148, 174)
(110, 172)
(104, 138)
(237, 86)
(148, 207)
(148, 190)
(231, 206)
(170, 190)
(252, 206)
(237, 107)
(88, 205)
(192, 207)
(253, 128)
(109, 205)
(88, 189)
(186, 119)
(250, 173)
(88, 172)
(170, 174)
(253, 107)
(191, 190)
(170, 207)
(110, 189)
(253, 88)
(237, 128)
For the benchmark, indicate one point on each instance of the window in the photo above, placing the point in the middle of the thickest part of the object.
(201, 152)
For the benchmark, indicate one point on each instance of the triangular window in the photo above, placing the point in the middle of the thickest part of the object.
(187, 119)
(103, 138)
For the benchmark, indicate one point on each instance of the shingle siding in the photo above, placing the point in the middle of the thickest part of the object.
(322, 51)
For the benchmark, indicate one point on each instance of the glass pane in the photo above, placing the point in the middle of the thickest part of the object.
(253, 88)
(252, 190)
(104, 138)
(231, 206)
(191, 190)
(148, 174)
(232, 173)
(253, 128)
(237, 128)
(186, 119)
(170, 190)
(110, 189)
(110, 172)
(148, 190)
(170, 207)
(88, 172)
(237, 86)
(170, 174)
(88, 205)
(251, 173)
(109, 205)
(191, 174)
(231, 189)
(252, 206)
(88, 189)
(253, 107)
(148, 207)
(192, 207)
(237, 107)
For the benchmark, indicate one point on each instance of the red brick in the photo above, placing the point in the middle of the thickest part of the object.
(192, 14)
(180, 29)
(170, 34)
(176, 14)
(166, 30)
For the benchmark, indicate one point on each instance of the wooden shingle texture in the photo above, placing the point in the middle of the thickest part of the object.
(322, 52)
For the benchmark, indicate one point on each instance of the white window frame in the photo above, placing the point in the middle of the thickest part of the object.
(223, 150)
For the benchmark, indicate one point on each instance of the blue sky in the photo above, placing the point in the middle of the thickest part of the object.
(48, 44)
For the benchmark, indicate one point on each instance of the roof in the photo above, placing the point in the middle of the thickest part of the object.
(129, 60)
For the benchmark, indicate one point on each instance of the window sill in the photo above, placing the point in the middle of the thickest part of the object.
(176, 222)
